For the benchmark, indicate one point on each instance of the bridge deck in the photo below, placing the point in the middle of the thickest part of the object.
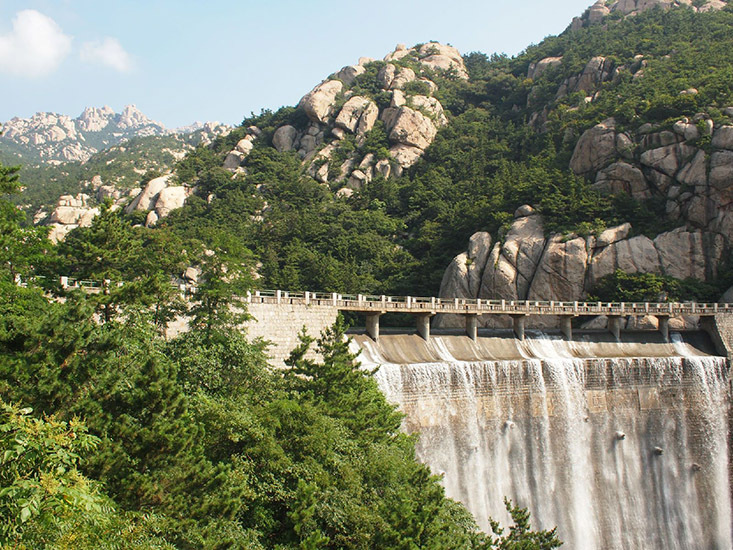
(464, 306)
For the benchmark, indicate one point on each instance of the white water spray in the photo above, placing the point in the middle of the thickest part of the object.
(624, 453)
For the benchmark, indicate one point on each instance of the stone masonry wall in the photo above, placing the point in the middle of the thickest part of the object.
(282, 323)
(720, 329)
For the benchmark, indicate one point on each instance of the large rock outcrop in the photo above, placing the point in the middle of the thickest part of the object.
(602, 8)
(335, 112)
(70, 212)
(158, 198)
(669, 164)
(528, 265)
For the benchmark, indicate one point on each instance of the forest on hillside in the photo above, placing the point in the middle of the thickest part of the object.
(396, 236)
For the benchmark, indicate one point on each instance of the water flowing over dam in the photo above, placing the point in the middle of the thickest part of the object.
(621, 444)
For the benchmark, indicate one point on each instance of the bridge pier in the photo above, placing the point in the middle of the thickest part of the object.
(423, 325)
(519, 324)
(614, 325)
(664, 326)
(566, 327)
(472, 326)
(372, 325)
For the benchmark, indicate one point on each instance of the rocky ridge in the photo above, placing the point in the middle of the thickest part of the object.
(340, 114)
(603, 8)
(54, 138)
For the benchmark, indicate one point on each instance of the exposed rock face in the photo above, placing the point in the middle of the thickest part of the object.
(284, 138)
(412, 128)
(412, 118)
(596, 72)
(536, 69)
(55, 138)
(648, 162)
(596, 148)
(70, 212)
(358, 115)
(602, 8)
(149, 195)
(318, 103)
(529, 266)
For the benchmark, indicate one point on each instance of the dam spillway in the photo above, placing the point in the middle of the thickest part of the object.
(621, 445)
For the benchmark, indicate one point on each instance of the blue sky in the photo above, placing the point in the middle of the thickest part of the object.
(185, 60)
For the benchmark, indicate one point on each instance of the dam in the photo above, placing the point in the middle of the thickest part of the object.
(619, 438)
(620, 443)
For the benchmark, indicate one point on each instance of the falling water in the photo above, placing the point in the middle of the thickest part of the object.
(624, 452)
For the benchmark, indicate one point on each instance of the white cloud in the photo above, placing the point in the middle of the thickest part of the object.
(108, 52)
(35, 47)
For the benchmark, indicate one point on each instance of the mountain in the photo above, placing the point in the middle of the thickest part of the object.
(377, 179)
(52, 138)
(614, 135)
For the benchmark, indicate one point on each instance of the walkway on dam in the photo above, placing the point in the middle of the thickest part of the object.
(373, 307)
(363, 303)
(423, 309)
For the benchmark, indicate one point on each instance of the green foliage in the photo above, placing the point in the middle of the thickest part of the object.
(520, 537)
(649, 287)
(45, 502)
(134, 264)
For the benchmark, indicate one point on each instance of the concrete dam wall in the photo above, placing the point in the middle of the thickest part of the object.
(621, 444)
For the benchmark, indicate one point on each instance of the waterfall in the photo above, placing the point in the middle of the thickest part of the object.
(627, 452)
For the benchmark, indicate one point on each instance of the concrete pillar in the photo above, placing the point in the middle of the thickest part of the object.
(423, 325)
(472, 326)
(372, 325)
(566, 327)
(519, 322)
(614, 325)
(664, 326)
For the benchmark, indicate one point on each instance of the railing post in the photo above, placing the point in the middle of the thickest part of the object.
(249, 297)
(334, 299)
(409, 302)
(384, 301)
(64, 282)
(307, 298)
(278, 296)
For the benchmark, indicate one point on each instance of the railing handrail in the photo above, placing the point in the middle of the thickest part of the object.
(383, 303)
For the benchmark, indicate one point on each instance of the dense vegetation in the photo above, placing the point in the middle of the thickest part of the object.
(125, 166)
(396, 236)
(112, 436)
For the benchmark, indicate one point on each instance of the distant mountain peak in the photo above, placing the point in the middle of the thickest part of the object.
(55, 138)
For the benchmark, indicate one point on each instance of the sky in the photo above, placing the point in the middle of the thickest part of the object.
(185, 60)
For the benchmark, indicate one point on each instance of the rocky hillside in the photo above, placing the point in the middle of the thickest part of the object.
(672, 148)
(389, 103)
(605, 148)
(602, 9)
(54, 139)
